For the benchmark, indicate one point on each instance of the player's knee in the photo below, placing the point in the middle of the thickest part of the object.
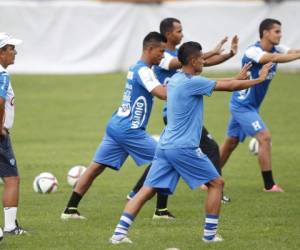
(231, 143)
(264, 138)
(217, 183)
(12, 181)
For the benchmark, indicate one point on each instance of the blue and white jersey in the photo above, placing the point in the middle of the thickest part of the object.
(185, 110)
(252, 98)
(7, 93)
(162, 71)
(137, 100)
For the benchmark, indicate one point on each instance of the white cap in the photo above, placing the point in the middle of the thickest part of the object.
(5, 39)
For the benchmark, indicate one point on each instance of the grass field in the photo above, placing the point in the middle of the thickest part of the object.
(60, 121)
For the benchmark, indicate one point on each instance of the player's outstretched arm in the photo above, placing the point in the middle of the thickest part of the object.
(217, 50)
(220, 58)
(160, 92)
(279, 58)
(235, 84)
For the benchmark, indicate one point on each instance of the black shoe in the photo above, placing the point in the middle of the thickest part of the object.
(16, 231)
(225, 199)
(163, 214)
(71, 213)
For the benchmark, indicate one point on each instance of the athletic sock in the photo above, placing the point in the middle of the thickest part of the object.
(162, 201)
(141, 181)
(121, 230)
(10, 217)
(268, 179)
(210, 227)
(73, 202)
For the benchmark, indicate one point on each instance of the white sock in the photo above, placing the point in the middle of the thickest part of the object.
(10, 216)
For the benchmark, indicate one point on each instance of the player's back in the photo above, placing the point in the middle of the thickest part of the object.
(185, 110)
(137, 100)
(253, 97)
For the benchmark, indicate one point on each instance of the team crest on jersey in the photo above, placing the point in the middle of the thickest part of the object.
(12, 161)
(139, 111)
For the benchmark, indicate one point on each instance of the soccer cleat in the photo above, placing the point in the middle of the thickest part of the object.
(225, 199)
(16, 231)
(130, 195)
(116, 241)
(275, 189)
(217, 238)
(71, 214)
(163, 214)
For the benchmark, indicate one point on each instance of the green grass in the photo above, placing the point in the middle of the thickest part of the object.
(61, 119)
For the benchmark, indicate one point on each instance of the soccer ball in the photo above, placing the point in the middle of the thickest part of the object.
(45, 183)
(1, 234)
(253, 146)
(74, 174)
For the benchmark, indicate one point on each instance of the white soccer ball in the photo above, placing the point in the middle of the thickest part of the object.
(253, 146)
(74, 174)
(45, 183)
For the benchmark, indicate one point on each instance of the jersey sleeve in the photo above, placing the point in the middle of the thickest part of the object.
(282, 49)
(254, 53)
(4, 82)
(201, 86)
(165, 62)
(147, 79)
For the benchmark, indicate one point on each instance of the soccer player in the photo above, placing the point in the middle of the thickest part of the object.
(245, 104)
(178, 153)
(8, 164)
(171, 28)
(125, 133)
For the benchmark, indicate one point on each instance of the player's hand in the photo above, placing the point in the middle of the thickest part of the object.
(265, 71)
(219, 48)
(234, 45)
(243, 75)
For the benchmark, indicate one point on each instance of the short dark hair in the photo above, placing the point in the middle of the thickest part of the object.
(153, 37)
(166, 25)
(186, 50)
(267, 24)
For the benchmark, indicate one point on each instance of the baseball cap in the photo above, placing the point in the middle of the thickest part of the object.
(5, 39)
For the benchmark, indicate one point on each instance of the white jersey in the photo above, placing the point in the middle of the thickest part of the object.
(7, 93)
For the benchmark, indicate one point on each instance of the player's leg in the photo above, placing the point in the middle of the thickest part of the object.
(10, 198)
(108, 154)
(162, 178)
(211, 148)
(131, 210)
(139, 184)
(265, 162)
(234, 135)
(196, 169)
(142, 151)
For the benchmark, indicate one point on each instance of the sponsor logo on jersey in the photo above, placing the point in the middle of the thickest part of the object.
(139, 111)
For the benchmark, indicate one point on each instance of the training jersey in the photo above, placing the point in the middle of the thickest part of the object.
(185, 110)
(162, 71)
(7, 93)
(252, 97)
(137, 100)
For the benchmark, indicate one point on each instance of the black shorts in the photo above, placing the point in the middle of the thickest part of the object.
(8, 163)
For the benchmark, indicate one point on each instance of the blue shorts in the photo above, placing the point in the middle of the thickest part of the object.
(8, 164)
(115, 148)
(189, 163)
(243, 124)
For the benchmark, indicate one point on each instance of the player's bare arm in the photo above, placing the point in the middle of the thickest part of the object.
(160, 92)
(232, 85)
(220, 58)
(279, 58)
